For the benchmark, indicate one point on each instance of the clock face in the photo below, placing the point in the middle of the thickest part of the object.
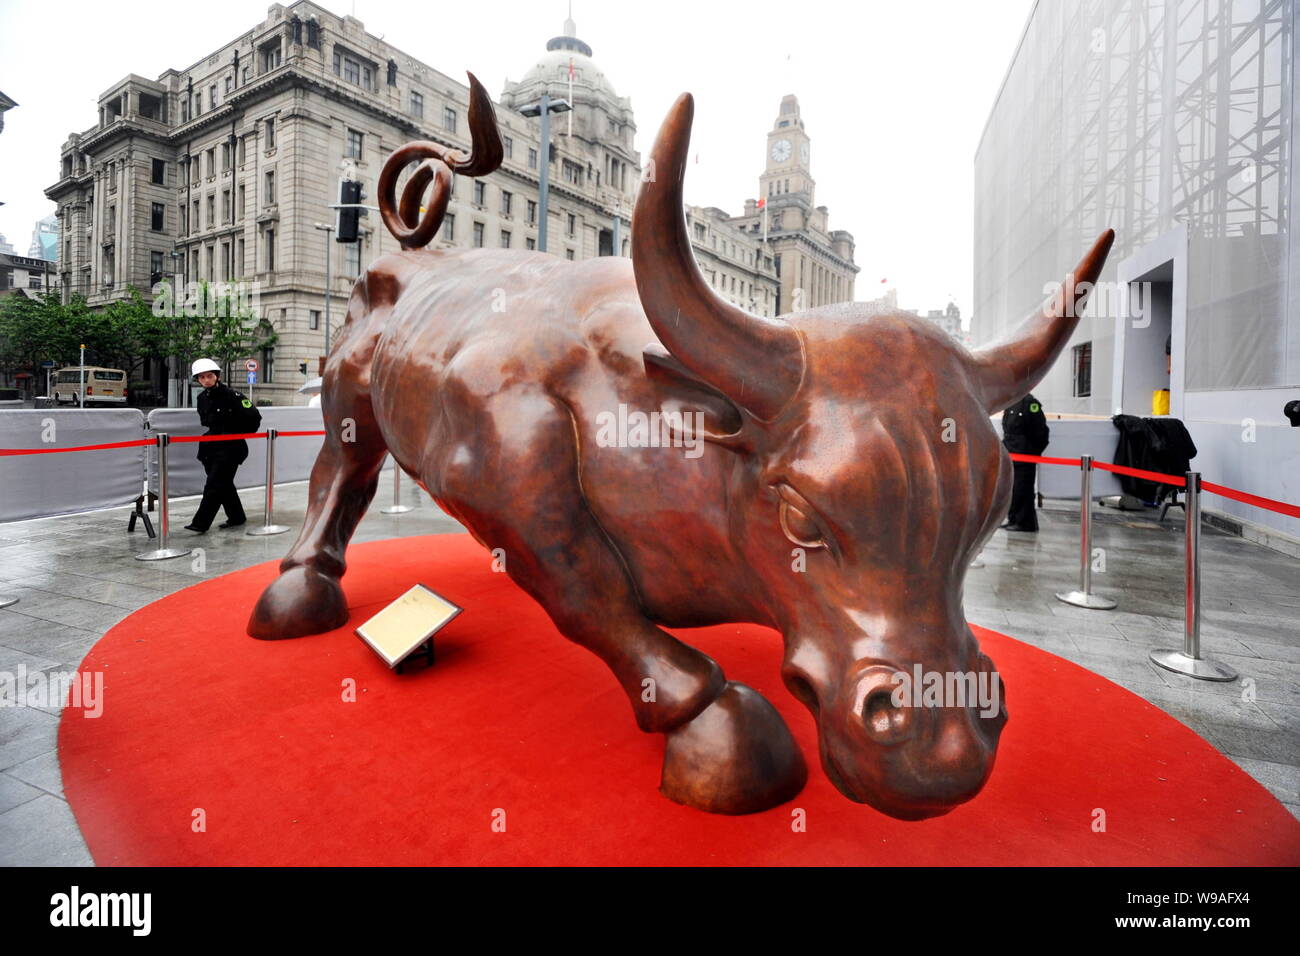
(803, 153)
(781, 150)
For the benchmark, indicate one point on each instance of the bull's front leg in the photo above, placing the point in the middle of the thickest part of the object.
(728, 749)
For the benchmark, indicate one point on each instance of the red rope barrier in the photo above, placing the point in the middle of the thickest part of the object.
(187, 439)
(1268, 504)
(1040, 460)
(1155, 476)
(51, 451)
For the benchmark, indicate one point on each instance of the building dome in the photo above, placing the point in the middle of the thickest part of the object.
(552, 68)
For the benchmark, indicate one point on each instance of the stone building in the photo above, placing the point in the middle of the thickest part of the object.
(221, 172)
(814, 264)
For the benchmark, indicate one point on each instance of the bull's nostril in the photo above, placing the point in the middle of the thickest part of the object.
(886, 722)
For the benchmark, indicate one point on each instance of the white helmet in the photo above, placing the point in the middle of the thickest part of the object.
(205, 365)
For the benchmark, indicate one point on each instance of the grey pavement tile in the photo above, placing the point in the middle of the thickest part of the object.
(1282, 780)
(1274, 652)
(41, 771)
(11, 660)
(42, 832)
(73, 612)
(26, 732)
(14, 792)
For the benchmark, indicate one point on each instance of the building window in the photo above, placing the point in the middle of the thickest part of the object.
(270, 56)
(530, 243)
(270, 250)
(700, 232)
(505, 239)
(239, 257)
(355, 143)
(480, 193)
(198, 104)
(1083, 370)
(532, 213)
(108, 265)
(568, 254)
(313, 33)
(225, 156)
(572, 172)
(532, 158)
(212, 162)
(159, 172)
(571, 225)
(268, 362)
(449, 119)
(478, 235)
(156, 217)
(352, 259)
(227, 262)
(270, 132)
(225, 206)
(509, 144)
(155, 267)
(212, 97)
(449, 227)
(212, 211)
(505, 202)
(417, 105)
(212, 272)
(392, 72)
(270, 187)
(195, 223)
(246, 75)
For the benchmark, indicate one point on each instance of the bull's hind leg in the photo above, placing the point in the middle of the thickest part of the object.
(306, 598)
(728, 750)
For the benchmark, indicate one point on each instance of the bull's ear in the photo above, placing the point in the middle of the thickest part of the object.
(704, 411)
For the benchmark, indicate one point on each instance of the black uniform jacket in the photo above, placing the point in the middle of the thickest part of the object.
(221, 413)
(1024, 427)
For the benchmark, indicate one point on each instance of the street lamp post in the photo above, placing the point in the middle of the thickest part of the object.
(544, 108)
(329, 255)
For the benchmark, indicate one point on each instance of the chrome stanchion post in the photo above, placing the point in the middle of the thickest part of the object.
(1189, 660)
(396, 508)
(269, 526)
(7, 600)
(1084, 597)
(163, 552)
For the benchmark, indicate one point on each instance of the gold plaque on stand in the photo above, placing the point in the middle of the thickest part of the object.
(402, 628)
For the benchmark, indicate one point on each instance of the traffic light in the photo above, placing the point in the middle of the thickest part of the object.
(302, 368)
(349, 195)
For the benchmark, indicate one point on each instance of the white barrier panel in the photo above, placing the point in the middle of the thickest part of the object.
(36, 486)
(1070, 439)
(294, 455)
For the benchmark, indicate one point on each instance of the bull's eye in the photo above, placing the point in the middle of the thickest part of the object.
(799, 527)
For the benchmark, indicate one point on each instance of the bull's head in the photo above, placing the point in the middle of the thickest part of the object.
(864, 440)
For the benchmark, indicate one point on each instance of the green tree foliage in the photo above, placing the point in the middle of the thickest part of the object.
(218, 324)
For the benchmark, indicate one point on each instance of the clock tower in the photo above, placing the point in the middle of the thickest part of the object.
(788, 155)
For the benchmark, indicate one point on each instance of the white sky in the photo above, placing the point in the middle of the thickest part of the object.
(894, 96)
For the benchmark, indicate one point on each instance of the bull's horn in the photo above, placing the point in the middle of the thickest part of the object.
(755, 361)
(1008, 370)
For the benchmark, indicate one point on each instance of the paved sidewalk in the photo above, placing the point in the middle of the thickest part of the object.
(76, 579)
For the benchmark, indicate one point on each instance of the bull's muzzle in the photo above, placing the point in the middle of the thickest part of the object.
(909, 751)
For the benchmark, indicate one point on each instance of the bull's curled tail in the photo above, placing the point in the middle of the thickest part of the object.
(409, 227)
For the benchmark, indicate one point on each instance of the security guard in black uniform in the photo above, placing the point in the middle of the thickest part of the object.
(222, 411)
(1024, 432)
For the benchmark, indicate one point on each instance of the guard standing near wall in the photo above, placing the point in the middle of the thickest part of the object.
(222, 411)
(1024, 432)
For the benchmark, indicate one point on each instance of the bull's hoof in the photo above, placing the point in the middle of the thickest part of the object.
(737, 756)
(299, 602)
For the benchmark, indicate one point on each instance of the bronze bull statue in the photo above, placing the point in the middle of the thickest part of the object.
(808, 487)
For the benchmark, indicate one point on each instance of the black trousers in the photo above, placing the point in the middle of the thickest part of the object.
(1022, 513)
(219, 492)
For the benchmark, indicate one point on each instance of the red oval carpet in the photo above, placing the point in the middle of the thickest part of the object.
(254, 741)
